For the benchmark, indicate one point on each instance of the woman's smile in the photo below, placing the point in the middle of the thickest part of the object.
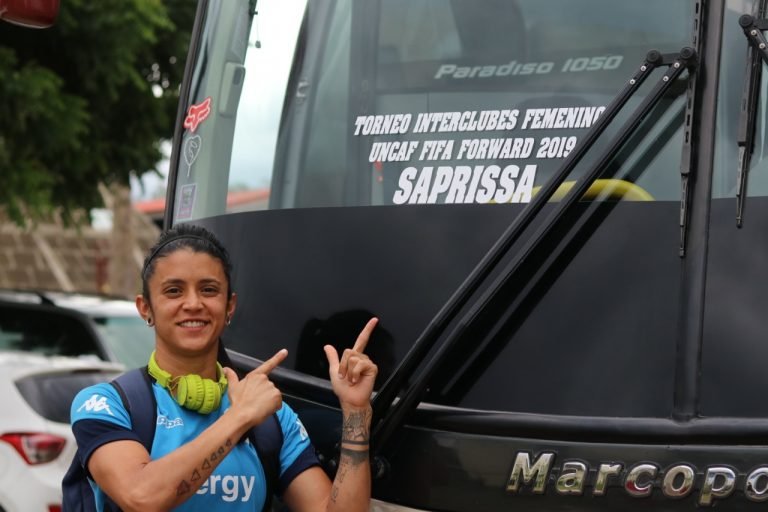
(189, 302)
(193, 324)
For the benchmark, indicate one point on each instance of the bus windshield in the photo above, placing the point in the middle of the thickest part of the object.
(361, 103)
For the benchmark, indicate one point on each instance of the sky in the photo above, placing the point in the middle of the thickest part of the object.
(150, 185)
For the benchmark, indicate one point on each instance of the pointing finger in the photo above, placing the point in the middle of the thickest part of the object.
(231, 376)
(333, 359)
(272, 363)
(365, 334)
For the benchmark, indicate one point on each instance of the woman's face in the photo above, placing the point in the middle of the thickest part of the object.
(188, 293)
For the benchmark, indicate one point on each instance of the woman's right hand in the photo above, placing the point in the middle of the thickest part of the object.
(255, 397)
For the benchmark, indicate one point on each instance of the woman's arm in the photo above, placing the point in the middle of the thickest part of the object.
(352, 485)
(312, 491)
(124, 470)
(352, 379)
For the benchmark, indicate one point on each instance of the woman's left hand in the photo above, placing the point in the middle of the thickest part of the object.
(352, 378)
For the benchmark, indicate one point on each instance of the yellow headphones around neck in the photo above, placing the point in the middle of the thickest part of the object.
(191, 391)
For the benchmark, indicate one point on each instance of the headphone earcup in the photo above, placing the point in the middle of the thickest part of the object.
(212, 396)
(190, 392)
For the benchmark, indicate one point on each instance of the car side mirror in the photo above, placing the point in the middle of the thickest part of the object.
(29, 13)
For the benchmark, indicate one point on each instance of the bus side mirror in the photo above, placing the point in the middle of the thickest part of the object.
(29, 13)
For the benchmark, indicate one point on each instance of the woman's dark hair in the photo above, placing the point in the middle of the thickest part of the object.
(185, 236)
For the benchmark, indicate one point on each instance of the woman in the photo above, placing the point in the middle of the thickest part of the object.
(199, 460)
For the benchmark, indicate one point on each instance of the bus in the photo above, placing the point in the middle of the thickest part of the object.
(554, 207)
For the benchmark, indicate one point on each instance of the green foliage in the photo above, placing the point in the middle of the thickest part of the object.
(87, 101)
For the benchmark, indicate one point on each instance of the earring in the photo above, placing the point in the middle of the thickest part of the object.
(229, 319)
(150, 323)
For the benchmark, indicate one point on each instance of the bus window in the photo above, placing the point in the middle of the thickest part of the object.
(432, 102)
(731, 89)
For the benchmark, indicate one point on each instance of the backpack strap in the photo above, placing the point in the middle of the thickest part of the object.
(267, 438)
(135, 389)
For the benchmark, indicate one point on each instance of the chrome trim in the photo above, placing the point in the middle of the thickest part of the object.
(572, 479)
(633, 484)
(668, 486)
(710, 490)
(603, 474)
(751, 489)
(538, 472)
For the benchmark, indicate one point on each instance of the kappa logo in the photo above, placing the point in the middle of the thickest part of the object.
(168, 423)
(302, 430)
(96, 404)
(197, 114)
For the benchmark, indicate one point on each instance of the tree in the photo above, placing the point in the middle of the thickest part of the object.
(88, 101)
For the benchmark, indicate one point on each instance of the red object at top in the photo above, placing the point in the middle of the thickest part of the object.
(30, 13)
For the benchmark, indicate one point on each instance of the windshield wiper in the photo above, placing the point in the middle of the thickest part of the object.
(757, 52)
(385, 400)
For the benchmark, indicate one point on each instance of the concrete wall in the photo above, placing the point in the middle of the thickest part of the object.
(49, 256)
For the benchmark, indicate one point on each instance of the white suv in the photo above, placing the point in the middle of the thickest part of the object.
(51, 346)
(36, 442)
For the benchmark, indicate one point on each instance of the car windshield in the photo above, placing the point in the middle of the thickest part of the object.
(51, 395)
(45, 332)
(128, 338)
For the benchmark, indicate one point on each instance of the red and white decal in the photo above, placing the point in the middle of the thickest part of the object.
(197, 114)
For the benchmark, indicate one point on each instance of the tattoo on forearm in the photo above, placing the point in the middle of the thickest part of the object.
(217, 454)
(340, 474)
(184, 487)
(355, 457)
(334, 493)
(349, 459)
(355, 442)
(356, 428)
